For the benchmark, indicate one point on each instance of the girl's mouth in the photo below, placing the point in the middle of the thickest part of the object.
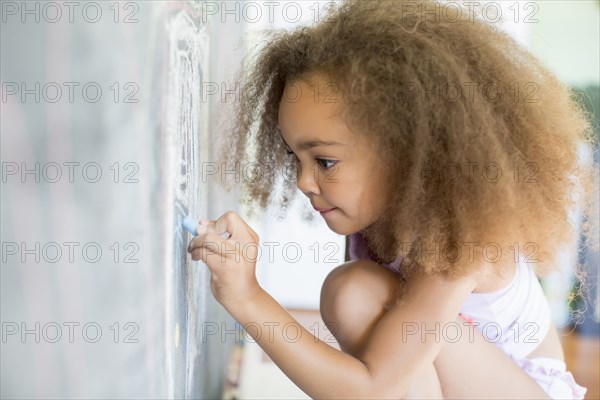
(324, 211)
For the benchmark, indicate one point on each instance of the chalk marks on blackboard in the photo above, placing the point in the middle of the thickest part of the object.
(184, 115)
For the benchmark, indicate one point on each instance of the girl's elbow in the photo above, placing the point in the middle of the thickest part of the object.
(389, 387)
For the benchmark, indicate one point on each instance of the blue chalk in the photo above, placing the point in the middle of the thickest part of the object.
(190, 224)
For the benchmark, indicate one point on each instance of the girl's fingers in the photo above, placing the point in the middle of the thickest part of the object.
(228, 223)
(206, 238)
(209, 234)
(202, 254)
(235, 228)
(209, 225)
(204, 249)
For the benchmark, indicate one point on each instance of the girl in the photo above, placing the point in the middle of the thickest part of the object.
(449, 157)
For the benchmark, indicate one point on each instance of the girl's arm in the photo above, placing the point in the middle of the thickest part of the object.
(404, 341)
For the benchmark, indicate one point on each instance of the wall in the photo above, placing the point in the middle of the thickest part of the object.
(99, 296)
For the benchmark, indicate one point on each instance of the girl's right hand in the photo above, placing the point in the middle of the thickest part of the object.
(232, 261)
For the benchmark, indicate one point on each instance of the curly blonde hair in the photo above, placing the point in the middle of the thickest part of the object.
(484, 141)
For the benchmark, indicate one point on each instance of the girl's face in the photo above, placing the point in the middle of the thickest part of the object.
(338, 169)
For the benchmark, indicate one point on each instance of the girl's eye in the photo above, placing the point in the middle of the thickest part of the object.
(326, 164)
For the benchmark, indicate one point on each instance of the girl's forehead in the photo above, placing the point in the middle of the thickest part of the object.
(312, 121)
(307, 113)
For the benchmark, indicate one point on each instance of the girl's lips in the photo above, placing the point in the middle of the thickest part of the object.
(325, 210)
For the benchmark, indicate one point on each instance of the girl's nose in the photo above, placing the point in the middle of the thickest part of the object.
(308, 180)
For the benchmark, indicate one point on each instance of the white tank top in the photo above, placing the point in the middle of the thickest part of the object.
(515, 318)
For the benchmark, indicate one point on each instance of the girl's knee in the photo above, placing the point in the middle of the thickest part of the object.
(357, 283)
(353, 298)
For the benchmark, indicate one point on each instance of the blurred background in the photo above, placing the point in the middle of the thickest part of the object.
(110, 117)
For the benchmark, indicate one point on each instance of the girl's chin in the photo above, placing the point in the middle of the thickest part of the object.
(341, 229)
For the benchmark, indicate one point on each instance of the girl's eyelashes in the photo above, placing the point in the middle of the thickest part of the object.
(324, 163)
